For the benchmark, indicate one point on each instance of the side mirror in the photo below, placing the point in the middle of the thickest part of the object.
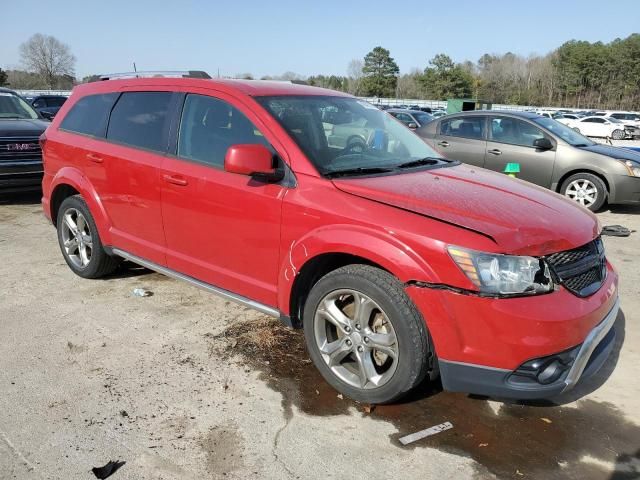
(543, 143)
(412, 125)
(251, 160)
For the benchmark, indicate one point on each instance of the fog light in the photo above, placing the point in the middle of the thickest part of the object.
(551, 372)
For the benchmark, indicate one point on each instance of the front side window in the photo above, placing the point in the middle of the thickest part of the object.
(344, 135)
(515, 132)
(12, 106)
(423, 118)
(89, 115)
(210, 126)
(466, 127)
(139, 119)
(568, 134)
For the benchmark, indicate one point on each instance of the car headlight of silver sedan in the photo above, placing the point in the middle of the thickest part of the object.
(497, 274)
(633, 168)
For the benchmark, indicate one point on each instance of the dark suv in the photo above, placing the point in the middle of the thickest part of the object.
(20, 154)
(47, 105)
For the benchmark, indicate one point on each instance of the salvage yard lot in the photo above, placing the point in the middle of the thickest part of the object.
(183, 384)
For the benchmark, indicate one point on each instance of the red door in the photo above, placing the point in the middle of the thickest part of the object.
(125, 171)
(220, 228)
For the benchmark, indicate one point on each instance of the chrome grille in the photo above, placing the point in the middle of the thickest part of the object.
(581, 270)
(17, 148)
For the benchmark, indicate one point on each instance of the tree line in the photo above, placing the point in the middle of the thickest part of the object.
(577, 74)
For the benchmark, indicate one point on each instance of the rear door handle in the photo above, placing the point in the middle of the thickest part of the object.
(495, 151)
(94, 158)
(176, 180)
(443, 144)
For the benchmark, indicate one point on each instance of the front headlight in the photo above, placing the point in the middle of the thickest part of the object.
(633, 167)
(503, 274)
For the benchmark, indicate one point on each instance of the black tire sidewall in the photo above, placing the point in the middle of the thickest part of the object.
(92, 270)
(597, 181)
(411, 334)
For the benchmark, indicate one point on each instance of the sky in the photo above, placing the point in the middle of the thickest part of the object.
(270, 37)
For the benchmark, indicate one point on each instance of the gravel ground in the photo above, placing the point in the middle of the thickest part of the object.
(184, 385)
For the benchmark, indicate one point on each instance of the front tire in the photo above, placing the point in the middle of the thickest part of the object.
(586, 189)
(79, 240)
(365, 335)
(618, 134)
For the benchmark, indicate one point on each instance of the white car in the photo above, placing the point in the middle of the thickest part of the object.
(629, 119)
(599, 127)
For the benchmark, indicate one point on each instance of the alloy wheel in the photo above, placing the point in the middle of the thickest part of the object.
(582, 191)
(356, 339)
(76, 238)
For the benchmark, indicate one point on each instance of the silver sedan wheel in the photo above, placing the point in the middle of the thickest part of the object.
(582, 191)
(356, 339)
(76, 238)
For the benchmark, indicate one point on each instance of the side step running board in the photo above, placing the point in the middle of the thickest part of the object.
(197, 283)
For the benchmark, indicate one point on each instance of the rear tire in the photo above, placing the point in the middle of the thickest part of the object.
(586, 189)
(353, 348)
(79, 241)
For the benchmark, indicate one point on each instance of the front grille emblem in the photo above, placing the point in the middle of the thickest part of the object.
(20, 147)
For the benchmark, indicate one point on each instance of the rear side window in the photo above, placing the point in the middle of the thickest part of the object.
(467, 127)
(208, 128)
(89, 115)
(514, 131)
(140, 119)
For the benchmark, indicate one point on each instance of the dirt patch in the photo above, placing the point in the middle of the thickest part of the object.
(224, 448)
(510, 440)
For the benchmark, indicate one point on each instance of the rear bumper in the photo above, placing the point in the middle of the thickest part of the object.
(575, 365)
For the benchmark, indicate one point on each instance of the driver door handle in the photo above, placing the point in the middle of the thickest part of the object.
(94, 158)
(443, 144)
(495, 151)
(176, 180)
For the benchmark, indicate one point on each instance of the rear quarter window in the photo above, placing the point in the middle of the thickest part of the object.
(89, 115)
(140, 119)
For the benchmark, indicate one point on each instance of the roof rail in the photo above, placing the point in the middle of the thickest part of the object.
(180, 73)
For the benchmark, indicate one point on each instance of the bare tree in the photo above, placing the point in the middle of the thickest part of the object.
(354, 72)
(48, 57)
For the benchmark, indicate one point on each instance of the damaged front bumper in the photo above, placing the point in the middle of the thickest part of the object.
(539, 378)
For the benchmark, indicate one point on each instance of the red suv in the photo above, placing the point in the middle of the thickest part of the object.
(316, 207)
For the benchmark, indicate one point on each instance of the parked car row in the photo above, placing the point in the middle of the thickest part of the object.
(317, 208)
(549, 153)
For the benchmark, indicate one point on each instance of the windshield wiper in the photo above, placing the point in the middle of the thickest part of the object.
(420, 162)
(357, 171)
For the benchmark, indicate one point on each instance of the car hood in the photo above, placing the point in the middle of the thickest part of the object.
(520, 217)
(620, 153)
(22, 128)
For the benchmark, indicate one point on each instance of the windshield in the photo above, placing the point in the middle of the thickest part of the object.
(347, 134)
(569, 135)
(13, 106)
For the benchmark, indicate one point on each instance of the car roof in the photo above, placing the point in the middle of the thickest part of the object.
(405, 110)
(255, 88)
(520, 114)
(7, 90)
